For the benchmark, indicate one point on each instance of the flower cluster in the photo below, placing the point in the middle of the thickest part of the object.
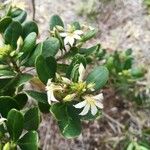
(70, 91)
(71, 35)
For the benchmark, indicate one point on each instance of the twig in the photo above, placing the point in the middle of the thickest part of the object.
(34, 10)
(113, 120)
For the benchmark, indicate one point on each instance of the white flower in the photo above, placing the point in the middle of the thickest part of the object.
(2, 120)
(51, 88)
(90, 103)
(71, 35)
(66, 80)
(81, 72)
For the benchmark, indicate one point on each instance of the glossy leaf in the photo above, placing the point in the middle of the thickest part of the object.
(55, 20)
(15, 124)
(50, 47)
(12, 33)
(29, 141)
(28, 27)
(98, 76)
(32, 119)
(46, 68)
(6, 104)
(28, 45)
(4, 23)
(38, 96)
(68, 120)
(21, 100)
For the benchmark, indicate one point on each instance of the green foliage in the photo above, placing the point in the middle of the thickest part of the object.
(12, 33)
(68, 120)
(54, 21)
(15, 124)
(49, 70)
(61, 64)
(99, 76)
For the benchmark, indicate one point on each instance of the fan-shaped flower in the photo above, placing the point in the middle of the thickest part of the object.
(51, 88)
(2, 120)
(90, 103)
(71, 35)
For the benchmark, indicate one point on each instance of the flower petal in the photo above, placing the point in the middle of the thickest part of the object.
(66, 40)
(85, 110)
(63, 34)
(71, 40)
(79, 32)
(99, 105)
(2, 120)
(51, 97)
(99, 97)
(80, 105)
(77, 37)
(66, 80)
(81, 72)
(93, 110)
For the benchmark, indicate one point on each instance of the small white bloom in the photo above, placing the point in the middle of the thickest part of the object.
(51, 88)
(81, 72)
(71, 35)
(2, 120)
(66, 80)
(90, 103)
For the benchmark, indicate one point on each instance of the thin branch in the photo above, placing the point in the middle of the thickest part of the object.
(34, 10)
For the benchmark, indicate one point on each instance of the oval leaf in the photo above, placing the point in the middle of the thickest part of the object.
(12, 33)
(46, 68)
(29, 141)
(6, 104)
(98, 76)
(15, 124)
(32, 119)
(54, 21)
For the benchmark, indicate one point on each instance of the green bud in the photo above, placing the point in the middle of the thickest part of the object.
(5, 51)
(7, 146)
(69, 97)
(138, 72)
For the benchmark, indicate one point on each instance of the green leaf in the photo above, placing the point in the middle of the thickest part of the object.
(44, 108)
(72, 71)
(21, 17)
(29, 141)
(89, 51)
(28, 45)
(12, 33)
(23, 78)
(37, 51)
(6, 73)
(68, 120)
(4, 23)
(50, 47)
(98, 76)
(54, 21)
(6, 104)
(49, 65)
(15, 82)
(38, 96)
(15, 124)
(28, 27)
(21, 100)
(88, 35)
(137, 72)
(32, 119)
(76, 24)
